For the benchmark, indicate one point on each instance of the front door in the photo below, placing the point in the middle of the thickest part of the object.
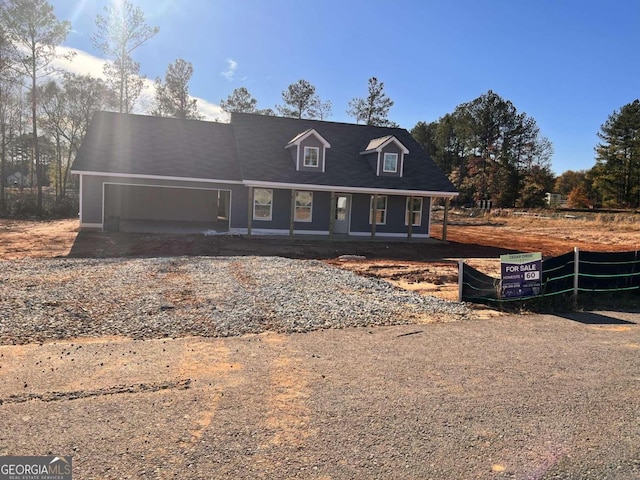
(343, 214)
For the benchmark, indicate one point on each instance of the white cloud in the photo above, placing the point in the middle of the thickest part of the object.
(80, 63)
(230, 72)
(83, 63)
(211, 111)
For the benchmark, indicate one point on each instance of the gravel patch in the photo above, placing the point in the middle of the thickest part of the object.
(174, 297)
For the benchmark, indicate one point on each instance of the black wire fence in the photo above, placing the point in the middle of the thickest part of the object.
(569, 274)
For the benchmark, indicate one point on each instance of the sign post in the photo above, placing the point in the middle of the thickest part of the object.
(521, 275)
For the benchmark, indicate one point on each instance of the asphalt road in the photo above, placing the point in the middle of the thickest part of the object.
(523, 397)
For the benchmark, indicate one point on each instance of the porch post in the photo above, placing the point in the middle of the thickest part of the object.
(292, 212)
(250, 211)
(445, 219)
(374, 215)
(410, 217)
(332, 215)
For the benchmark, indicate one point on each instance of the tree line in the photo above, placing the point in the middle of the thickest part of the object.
(45, 113)
(492, 152)
(614, 181)
(299, 100)
(489, 150)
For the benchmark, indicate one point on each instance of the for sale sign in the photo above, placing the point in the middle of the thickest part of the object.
(521, 275)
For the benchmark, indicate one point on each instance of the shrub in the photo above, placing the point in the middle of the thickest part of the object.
(24, 204)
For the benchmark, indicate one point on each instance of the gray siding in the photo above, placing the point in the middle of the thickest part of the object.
(239, 208)
(311, 141)
(91, 201)
(395, 221)
(156, 201)
(391, 148)
(153, 196)
(160, 203)
(281, 213)
(321, 210)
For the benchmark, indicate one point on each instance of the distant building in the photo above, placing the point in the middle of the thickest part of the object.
(16, 179)
(556, 200)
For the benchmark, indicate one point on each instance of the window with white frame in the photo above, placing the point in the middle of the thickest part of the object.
(304, 206)
(390, 163)
(414, 211)
(262, 204)
(311, 156)
(381, 209)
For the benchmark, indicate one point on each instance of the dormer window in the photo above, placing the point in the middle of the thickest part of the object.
(386, 156)
(390, 164)
(311, 156)
(308, 151)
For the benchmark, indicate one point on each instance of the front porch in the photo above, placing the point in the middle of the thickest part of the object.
(332, 214)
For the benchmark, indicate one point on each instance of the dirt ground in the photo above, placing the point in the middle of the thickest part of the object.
(537, 397)
(426, 267)
(526, 397)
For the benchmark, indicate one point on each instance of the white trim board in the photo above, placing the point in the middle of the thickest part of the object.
(281, 185)
(276, 231)
(389, 235)
(344, 189)
(297, 140)
(156, 177)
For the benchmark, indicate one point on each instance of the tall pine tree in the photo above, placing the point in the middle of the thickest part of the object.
(618, 157)
(172, 96)
(300, 101)
(120, 31)
(491, 152)
(33, 26)
(374, 108)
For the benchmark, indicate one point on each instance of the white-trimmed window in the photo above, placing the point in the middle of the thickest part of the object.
(262, 204)
(414, 211)
(311, 156)
(304, 207)
(381, 210)
(390, 163)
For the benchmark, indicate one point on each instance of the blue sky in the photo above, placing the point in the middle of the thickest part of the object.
(567, 63)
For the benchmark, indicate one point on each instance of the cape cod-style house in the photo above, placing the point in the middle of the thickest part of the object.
(256, 175)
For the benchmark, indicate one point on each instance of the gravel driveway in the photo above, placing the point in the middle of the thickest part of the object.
(214, 297)
(518, 397)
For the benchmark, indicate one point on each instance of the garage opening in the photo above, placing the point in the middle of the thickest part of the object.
(156, 209)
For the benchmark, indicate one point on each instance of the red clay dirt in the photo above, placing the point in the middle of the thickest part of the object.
(60, 238)
(427, 267)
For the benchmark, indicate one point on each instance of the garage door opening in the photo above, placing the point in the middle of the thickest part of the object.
(154, 209)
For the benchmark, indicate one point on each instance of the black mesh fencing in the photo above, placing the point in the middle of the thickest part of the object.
(478, 287)
(557, 274)
(597, 272)
(609, 272)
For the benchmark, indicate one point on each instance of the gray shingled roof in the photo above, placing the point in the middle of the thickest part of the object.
(260, 142)
(252, 147)
(143, 145)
